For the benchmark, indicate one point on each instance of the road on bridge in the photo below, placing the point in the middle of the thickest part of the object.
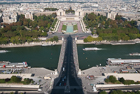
(68, 74)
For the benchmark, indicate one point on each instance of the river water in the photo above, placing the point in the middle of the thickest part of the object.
(89, 59)
(37, 56)
(48, 57)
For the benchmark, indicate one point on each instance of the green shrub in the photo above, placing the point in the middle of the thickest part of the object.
(106, 80)
(27, 81)
(2, 80)
(128, 82)
(117, 82)
(112, 79)
(119, 92)
(121, 80)
(85, 40)
(15, 79)
(102, 92)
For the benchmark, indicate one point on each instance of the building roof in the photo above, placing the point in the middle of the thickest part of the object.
(124, 60)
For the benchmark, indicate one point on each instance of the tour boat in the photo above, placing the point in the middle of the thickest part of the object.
(134, 54)
(3, 51)
(94, 48)
(46, 44)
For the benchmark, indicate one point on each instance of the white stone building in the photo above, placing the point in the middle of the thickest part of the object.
(29, 15)
(111, 15)
(60, 12)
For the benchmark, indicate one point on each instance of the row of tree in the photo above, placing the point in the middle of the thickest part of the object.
(15, 79)
(107, 29)
(70, 11)
(112, 79)
(90, 39)
(26, 30)
(54, 38)
(51, 9)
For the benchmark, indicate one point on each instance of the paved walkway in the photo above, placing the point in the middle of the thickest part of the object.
(60, 27)
(79, 27)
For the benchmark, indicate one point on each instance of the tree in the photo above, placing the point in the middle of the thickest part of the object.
(112, 79)
(89, 39)
(27, 81)
(132, 36)
(119, 92)
(44, 34)
(114, 92)
(102, 92)
(4, 40)
(85, 40)
(25, 22)
(48, 25)
(15, 79)
(12, 40)
(55, 38)
(106, 80)
(34, 24)
(121, 80)
(51, 39)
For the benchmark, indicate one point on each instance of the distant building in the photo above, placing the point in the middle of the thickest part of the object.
(60, 12)
(111, 15)
(79, 12)
(10, 18)
(29, 15)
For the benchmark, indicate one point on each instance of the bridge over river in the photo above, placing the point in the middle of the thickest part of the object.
(68, 67)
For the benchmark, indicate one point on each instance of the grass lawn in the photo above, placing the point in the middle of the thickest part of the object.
(64, 27)
(75, 27)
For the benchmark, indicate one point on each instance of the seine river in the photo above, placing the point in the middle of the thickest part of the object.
(48, 57)
(38, 56)
(89, 59)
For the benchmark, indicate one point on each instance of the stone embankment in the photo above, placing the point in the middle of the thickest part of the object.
(109, 42)
(30, 44)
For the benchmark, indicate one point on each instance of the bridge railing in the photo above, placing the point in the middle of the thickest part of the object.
(75, 56)
(61, 57)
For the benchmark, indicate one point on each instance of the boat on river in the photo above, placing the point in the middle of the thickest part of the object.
(3, 51)
(46, 44)
(134, 54)
(94, 48)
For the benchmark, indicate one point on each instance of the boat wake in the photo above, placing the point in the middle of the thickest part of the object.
(3, 51)
(93, 49)
(134, 54)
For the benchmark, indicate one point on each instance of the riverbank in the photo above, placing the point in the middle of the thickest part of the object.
(10, 45)
(110, 42)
